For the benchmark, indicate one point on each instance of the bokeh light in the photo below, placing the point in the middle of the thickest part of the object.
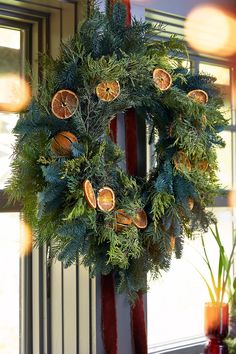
(25, 239)
(232, 199)
(209, 29)
(15, 93)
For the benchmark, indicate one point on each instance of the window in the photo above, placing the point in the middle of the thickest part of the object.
(175, 313)
(11, 64)
(9, 283)
(11, 61)
(54, 308)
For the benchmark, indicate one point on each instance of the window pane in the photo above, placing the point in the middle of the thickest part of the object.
(224, 158)
(10, 63)
(7, 123)
(222, 74)
(10, 51)
(9, 283)
(9, 38)
(176, 301)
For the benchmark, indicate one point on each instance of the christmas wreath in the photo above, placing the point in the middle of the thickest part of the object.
(66, 168)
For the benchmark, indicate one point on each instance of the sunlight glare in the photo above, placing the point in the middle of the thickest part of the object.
(211, 30)
(25, 239)
(9, 38)
(15, 93)
(232, 198)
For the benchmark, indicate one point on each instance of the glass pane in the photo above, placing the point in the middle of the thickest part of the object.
(222, 73)
(10, 63)
(227, 109)
(176, 301)
(9, 283)
(224, 158)
(10, 51)
(7, 123)
(9, 38)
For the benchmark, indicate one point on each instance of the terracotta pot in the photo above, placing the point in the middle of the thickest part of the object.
(216, 327)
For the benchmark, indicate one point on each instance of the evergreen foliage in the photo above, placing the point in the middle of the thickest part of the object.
(51, 187)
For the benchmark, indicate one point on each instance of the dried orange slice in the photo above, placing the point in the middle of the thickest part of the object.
(106, 199)
(162, 79)
(61, 143)
(64, 104)
(140, 219)
(202, 165)
(190, 203)
(181, 161)
(198, 96)
(108, 90)
(89, 194)
(120, 227)
(122, 220)
(122, 217)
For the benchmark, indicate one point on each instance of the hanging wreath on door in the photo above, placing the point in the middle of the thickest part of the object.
(66, 168)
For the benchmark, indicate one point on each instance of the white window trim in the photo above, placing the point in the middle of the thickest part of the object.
(187, 346)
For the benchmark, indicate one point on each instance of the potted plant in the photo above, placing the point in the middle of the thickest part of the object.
(231, 339)
(219, 287)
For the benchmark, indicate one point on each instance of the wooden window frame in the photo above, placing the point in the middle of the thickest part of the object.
(24, 20)
(25, 275)
(41, 330)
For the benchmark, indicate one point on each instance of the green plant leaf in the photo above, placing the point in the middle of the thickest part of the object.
(226, 277)
(220, 276)
(211, 293)
(224, 263)
(206, 259)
